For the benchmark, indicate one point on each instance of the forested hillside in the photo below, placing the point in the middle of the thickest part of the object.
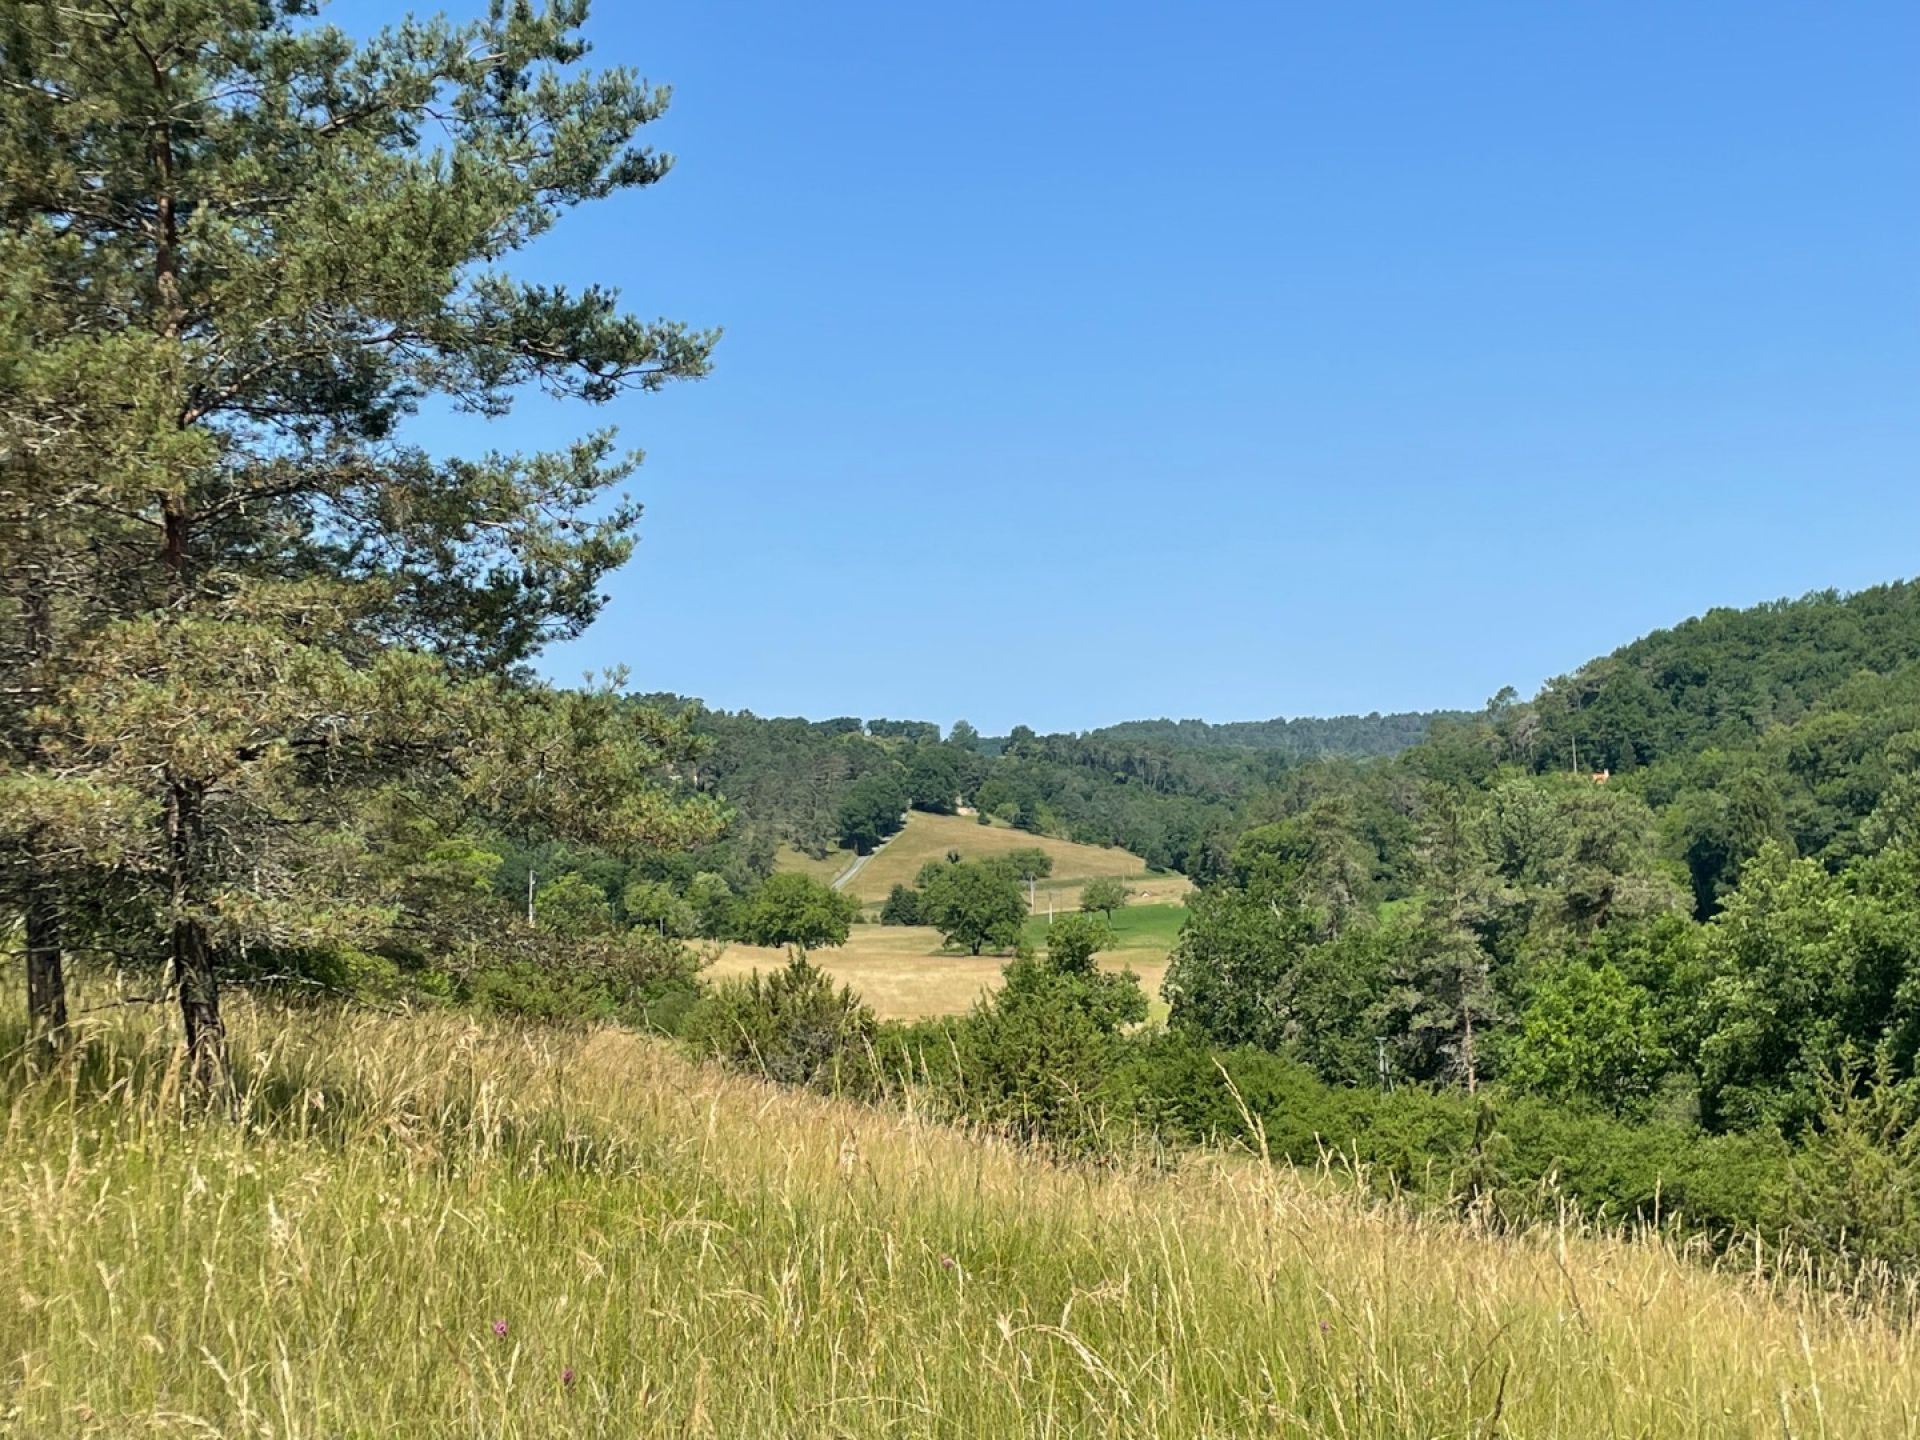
(1723, 679)
(1736, 726)
(1304, 736)
(1788, 721)
(1714, 920)
(1169, 792)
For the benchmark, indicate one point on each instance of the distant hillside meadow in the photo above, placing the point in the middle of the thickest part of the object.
(905, 969)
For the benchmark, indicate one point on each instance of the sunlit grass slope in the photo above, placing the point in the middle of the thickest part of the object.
(904, 972)
(433, 1228)
(826, 869)
(929, 837)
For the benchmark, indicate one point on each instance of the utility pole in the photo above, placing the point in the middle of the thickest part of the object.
(529, 895)
(1380, 1062)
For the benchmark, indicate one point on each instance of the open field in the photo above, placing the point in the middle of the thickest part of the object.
(929, 837)
(431, 1227)
(1140, 932)
(825, 870)
(1164, 887)
(901, 971)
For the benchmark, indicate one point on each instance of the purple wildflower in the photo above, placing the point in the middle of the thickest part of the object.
(566, 1375)
(500, 1328)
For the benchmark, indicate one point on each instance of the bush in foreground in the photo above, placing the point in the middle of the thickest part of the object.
(791, 1026)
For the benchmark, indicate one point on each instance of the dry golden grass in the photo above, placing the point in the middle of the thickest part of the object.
(901, 971)
(825, 870)
(669, 1251)
(930, 837)
(1165, 887)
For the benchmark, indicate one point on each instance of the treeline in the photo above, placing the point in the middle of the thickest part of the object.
(1305, 737)
(817, 784)
(1171, 793)
(786, 779)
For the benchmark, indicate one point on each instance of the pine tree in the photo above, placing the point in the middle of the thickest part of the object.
(66, 422)
(285, 242)
(1445, 993)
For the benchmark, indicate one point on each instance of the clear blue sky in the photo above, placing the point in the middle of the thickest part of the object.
(1086, 362)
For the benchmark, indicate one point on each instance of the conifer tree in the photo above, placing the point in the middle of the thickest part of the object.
(283, 242)
(1445, 996)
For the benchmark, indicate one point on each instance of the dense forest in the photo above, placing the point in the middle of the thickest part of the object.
(1710, 912)
(1306, 736)
(1167, 792)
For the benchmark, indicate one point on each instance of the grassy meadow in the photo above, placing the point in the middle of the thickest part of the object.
(1143, 931)
(439, 1227)
(903, 971)
(929, 837)
(904, 974)
(826, 869)
(899, 970)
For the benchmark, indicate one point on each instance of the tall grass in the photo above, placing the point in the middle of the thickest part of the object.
(432, 1227)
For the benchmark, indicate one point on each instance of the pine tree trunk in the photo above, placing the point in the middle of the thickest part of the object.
(195, 966)
(195, 969)
(199, 981)
(46, 973)
(46, 969)
(1473, 1077)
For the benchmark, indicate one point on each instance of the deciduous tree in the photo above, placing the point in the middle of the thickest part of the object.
(1105, 893)
(797, 910)
(974, 904)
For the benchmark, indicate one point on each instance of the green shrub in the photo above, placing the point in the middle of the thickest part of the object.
(1039, 1057)
(791, 1026)
(1524, 1157)
(641, 979)
(1853, 1188)
(902, 907)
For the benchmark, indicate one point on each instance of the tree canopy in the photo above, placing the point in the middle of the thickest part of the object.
(974, 904)
(797, 910)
